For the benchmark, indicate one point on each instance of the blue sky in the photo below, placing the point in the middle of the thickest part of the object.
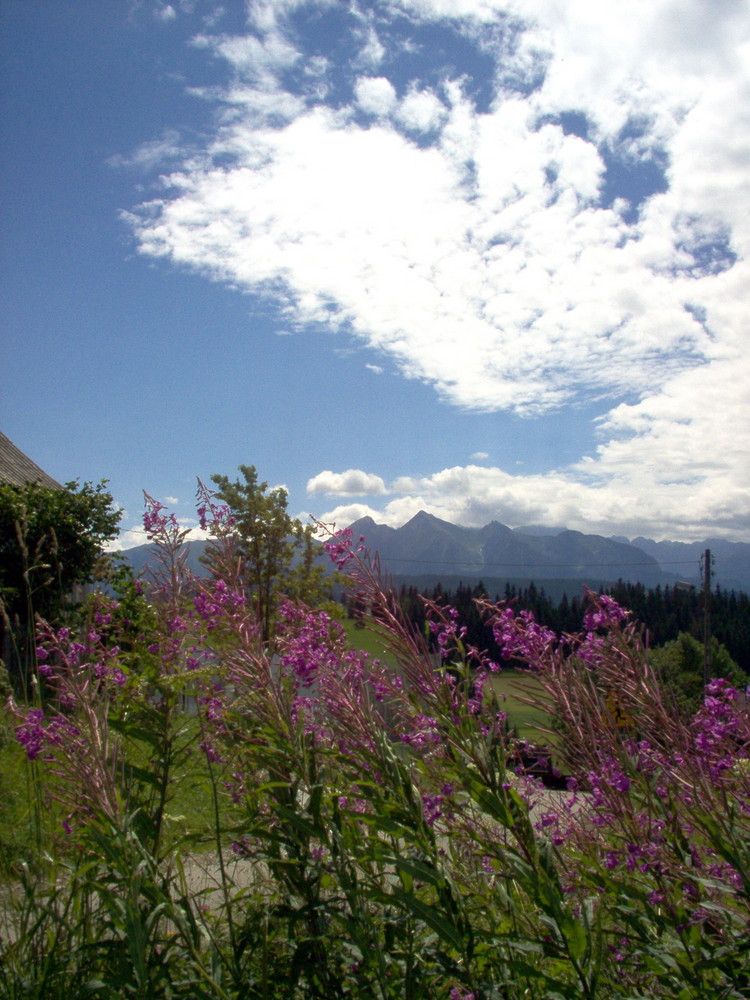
(487, 258)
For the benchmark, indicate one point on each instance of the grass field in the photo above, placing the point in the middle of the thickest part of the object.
(512, 688)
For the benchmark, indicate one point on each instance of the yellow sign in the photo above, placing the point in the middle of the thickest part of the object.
(619, 716)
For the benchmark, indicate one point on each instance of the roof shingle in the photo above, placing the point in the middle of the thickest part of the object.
(17, 468)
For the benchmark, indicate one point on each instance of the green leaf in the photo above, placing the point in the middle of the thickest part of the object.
(576, 938)
(421, 870)
(442, 925)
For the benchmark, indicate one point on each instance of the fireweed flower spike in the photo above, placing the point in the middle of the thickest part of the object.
(213, 517)
(400, 856)
(72, 735)
(340, 547)
(603, 612)
(167, 574)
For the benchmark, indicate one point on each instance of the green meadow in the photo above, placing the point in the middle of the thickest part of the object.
(519, 694)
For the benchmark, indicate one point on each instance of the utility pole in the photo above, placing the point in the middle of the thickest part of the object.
(706, 615)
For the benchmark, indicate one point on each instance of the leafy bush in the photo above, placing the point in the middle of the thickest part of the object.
(50, 540)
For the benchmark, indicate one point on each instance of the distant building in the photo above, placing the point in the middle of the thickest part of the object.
(17, 468)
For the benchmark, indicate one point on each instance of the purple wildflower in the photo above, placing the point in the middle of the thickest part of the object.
(605, 612)
(341, 549)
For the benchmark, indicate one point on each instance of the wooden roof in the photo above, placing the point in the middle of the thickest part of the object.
(17, 468)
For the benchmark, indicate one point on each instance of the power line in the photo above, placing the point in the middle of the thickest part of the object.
(526, 565)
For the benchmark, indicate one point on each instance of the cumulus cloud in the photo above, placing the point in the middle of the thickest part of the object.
(351, 483)
(372, 51)
(475, 495)
(375, 95)
(501, 249)
(346, 514)
(127, 539)
(421, 111)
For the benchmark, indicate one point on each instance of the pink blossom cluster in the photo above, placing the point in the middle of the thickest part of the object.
(217, 601)
(341, 548)
(520, 637)
(39, 736)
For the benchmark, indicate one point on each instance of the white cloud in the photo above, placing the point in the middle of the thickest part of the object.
(346, 514)
(550, 292)
(127, 539)
(261, 102)
(258, 62)
(628, 505)
(421, 111)
(474, 249)
(372, 51)
(165, 13)
(375, 95)
(479, 456)
(152, 154)
(353, 482)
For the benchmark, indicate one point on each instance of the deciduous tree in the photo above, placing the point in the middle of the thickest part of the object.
(278, 552)
(679, 666)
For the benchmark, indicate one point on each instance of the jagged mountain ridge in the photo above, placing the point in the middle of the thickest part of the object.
(427, 546)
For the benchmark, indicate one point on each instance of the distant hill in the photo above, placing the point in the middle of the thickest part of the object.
(429, 547)
(426, 545)
(141, 557)
(731, 569)
(138, 558)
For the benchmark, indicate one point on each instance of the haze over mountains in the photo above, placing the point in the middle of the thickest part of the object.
(427, 547)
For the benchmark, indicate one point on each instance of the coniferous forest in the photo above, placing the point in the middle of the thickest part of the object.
(665, 612)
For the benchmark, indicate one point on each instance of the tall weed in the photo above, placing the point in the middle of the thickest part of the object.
(366, 826)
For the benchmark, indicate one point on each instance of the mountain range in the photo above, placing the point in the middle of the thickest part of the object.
(427, 548)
